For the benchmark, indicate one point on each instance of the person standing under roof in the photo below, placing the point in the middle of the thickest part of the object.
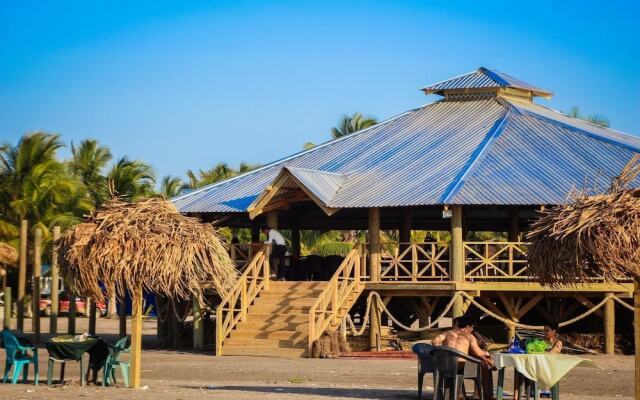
(278, 251)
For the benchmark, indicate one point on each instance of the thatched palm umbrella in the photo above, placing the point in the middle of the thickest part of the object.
(597, 235)
(140, 246)
(8, 256)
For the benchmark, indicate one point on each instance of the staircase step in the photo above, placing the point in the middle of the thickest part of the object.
(270, 317)
(261, 334)
(289, 300)
(267, 326)
(297, 284)
(263, 352)
(266, 343)
(280, 309)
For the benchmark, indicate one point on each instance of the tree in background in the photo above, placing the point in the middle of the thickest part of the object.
(350, 124)
(219, 172)
(37, 187)
(88, 164)
(170, 186)
(130, 180)
(595, 119)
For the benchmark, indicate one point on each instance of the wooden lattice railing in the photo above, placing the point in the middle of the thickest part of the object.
(337, 297)
(234, 306)
(495, 261)
(414, 262)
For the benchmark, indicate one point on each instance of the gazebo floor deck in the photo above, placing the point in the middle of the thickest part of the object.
(446, 288)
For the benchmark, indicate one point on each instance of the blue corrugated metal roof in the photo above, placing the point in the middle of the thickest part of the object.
(492, 151)
(482, 78)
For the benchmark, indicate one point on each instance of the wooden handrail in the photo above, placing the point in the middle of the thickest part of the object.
(333, 302)
(233, 308)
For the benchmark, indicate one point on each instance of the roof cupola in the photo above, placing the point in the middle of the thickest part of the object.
(486, 83)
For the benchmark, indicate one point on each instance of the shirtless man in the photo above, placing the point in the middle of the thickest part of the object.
(461, 339)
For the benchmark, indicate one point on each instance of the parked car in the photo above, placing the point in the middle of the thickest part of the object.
(63, 305)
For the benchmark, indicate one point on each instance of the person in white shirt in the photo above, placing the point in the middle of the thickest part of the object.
(278, 251)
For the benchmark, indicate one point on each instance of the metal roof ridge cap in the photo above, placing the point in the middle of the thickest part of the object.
(300, 153)
(493, 134)
(595, 135)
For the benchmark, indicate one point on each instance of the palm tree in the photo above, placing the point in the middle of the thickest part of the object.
(130, 180)
(170, 186)
(219, 172)
(35, 186)
(308, 145)
(88, 162)
(351, 124)
(595, 119)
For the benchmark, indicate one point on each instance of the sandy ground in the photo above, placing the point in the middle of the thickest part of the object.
(189, 375)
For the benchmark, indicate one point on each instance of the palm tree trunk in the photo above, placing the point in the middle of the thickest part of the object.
(636, 325)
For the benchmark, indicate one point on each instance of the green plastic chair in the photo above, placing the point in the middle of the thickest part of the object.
(18, 357)
(122, 346)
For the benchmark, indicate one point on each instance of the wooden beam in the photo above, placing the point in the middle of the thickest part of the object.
(93, 310)
(374, 244)
(136, 338)
(6, 320)
(55, 284)
(272, 219)
(529, 305)
(514, 228)
(374, 327)
(456, 253)
(122, 317)
(404, 235)
(636, 327)
(22, 273)
(609, 319)
(198, 329)
(71, 315)
(589, 304)
(37, 270)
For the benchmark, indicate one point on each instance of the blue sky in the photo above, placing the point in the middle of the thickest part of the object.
(185, 84)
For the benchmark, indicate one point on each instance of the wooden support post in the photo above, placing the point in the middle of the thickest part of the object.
(374, 245)
(136, 337)
(71, 315)
(93, 309)
(610, 327)
(457, 255)
(636, 327)
(198, 329)
(514, 226)
(272, 219)
(122, 317)
(404, 235)
(176, 325)
(295, 250)
(37, 270)
(55, 282)
(22, 273)
(6, 321)
(374, 326)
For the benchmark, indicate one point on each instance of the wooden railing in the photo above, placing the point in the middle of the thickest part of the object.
(337, 297)
(414, 262)
(234, 306)
(495, 261)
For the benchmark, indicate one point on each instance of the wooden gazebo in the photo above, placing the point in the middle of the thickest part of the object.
(485, 157)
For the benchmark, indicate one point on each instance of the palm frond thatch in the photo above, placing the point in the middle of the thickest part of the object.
(8, 254)
(145, 245)
(591, 236)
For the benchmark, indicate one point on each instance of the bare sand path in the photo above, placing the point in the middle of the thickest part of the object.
(187, 375)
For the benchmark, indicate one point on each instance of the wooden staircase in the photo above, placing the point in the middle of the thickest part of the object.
(277, 323)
